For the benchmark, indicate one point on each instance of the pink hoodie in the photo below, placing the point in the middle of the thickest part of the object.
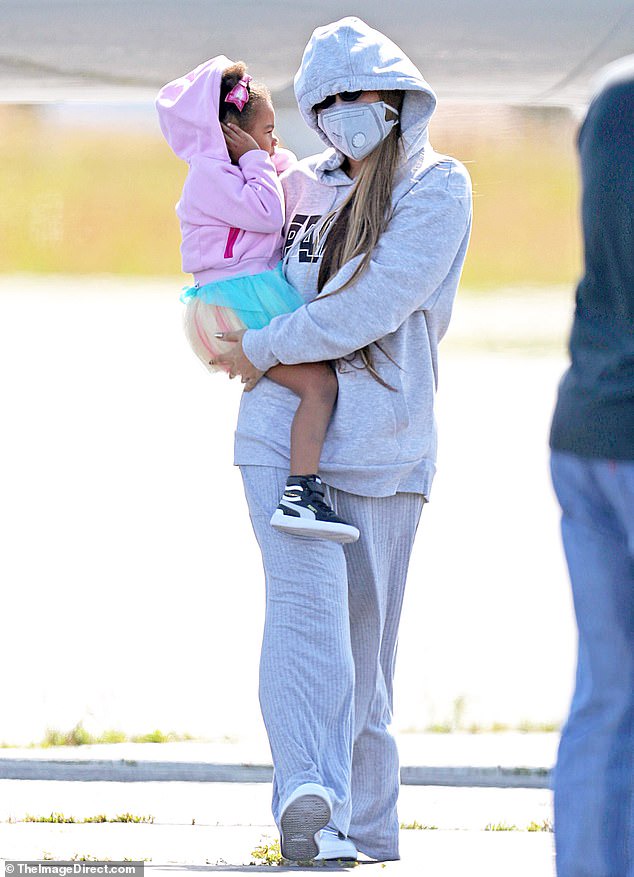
(231, 216)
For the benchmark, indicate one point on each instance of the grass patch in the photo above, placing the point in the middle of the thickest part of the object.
(545, 825)
(457, 723)
(418, 826)
(77, 201)
(267, 854)
(500, 826)
(62, 818)
(86, 857)
(270, 854)
(79, 736)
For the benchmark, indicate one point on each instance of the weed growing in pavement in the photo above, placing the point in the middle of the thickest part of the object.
(88, 857)
(417, 825)
(268, 853)
(500, 826)
(546, 825)
(60, 817)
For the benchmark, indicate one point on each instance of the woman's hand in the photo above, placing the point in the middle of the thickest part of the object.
(238, 141)
(236, 360)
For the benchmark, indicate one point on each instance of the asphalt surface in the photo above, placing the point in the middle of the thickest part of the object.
(526, 52)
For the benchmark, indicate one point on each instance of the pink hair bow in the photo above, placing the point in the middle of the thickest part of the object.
(239, 94)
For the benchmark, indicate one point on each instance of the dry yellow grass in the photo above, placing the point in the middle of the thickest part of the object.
(79, 202)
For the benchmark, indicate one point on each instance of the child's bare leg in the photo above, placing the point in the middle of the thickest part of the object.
(316, 385)
(303, 509)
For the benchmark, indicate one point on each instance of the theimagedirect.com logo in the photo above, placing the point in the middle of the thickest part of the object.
(65, 869)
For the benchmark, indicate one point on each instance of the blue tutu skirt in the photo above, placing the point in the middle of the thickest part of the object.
(247, 302)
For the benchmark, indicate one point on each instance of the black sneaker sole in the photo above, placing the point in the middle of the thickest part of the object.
(311, 529)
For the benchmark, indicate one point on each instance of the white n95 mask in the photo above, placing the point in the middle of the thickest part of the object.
(357, 130)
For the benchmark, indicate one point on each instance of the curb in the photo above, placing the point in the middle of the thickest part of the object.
(131, 771)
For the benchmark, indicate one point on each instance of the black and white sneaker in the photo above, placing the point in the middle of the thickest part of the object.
(303, 511)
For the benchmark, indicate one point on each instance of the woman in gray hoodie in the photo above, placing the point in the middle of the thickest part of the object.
(376, 234)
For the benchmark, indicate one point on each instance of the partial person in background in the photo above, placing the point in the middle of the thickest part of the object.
(592, 461)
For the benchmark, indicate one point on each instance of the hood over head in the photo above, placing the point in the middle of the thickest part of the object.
(188, 111)
(349, 55)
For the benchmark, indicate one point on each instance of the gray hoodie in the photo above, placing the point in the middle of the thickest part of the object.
(379, 442)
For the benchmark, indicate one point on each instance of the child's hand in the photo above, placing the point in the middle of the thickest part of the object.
(238, 141)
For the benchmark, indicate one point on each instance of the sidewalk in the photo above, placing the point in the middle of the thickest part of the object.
(181, 850)
(215, 826)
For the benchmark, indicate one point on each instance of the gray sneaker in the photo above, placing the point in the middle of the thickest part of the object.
(305, 812)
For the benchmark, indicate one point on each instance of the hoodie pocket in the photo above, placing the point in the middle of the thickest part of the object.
(363, 427)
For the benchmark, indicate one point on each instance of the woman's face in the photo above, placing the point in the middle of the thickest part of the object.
(351, 125)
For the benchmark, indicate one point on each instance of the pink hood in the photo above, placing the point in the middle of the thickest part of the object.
(188, 111)
(231, 215)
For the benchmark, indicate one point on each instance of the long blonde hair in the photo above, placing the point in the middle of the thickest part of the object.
(354, 228)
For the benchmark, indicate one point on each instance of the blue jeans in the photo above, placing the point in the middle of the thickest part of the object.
(594, 775)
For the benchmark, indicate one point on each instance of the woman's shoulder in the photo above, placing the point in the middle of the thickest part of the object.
(440, 171)
(434, 175)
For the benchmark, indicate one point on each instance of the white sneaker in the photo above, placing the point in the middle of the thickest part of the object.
(305, 812)
(335, 845)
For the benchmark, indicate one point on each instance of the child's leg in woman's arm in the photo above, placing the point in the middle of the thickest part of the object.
(316, 385)
(303, 510)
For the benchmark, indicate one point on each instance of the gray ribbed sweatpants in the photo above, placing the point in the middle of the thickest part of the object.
(328, 654)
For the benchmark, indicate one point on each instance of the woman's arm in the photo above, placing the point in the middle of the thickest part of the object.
(428, 230)
(248, 195)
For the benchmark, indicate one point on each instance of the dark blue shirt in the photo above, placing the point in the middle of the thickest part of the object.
(594, 415)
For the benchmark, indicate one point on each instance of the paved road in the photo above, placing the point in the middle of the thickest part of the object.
(125, 524)
(491, 49)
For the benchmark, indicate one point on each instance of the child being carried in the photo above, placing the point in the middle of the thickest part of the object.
(231, 213)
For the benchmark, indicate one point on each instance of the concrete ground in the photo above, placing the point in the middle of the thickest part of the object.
(515, 662)
(217, 826)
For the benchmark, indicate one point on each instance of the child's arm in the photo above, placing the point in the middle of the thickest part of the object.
(283, 159)
(247, 195)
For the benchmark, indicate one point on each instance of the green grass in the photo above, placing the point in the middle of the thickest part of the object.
(267, 853)
(418, 826)
(62, 818)
(500, 826)
(546, 825)
(79, 736)
(82, 202)
(456, 723)
(270, 854)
